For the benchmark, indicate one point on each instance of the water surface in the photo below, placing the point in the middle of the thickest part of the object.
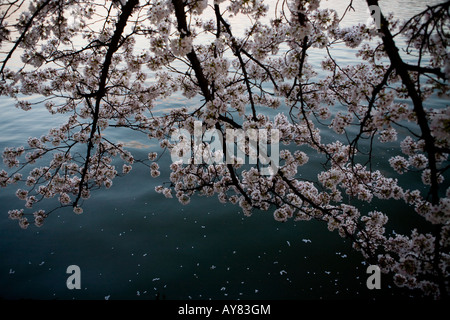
(132, 243)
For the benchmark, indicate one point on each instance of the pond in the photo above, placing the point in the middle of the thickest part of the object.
(132, 243)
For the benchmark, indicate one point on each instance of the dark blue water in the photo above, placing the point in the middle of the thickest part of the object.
(132, 243)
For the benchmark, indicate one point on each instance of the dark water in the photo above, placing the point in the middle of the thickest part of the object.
(131, 243)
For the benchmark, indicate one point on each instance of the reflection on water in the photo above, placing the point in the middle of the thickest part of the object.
(131, 243)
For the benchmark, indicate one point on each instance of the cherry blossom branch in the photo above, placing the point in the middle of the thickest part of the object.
(22, 35)
(394, 56)
(113, 46)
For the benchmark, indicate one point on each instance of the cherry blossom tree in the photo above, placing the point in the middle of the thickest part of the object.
(105, 65)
